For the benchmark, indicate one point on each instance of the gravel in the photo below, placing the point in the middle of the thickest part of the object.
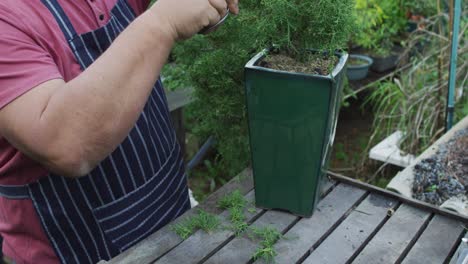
(445, 174)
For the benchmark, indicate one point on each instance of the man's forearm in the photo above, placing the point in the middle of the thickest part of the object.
(95, 111)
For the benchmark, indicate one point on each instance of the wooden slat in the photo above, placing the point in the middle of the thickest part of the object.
(241, 249)
(348, 237)
(407, 200)
(200, 244)
(179, 98)
(300, 238)
(437, 241)
(457, 252)
(398, 232)
(164, 240)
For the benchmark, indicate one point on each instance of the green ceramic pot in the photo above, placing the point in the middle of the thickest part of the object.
(292, 122)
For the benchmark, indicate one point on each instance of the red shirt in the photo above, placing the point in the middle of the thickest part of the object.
(34, 50)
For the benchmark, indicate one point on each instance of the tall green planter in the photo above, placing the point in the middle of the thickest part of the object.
(292, 122)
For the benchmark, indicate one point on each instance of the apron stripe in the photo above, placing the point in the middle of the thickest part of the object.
(118, 24)
(148, 156)
(132, 198)
(14, 191)
(107, 186)
(142, 171)
(166, 117)
(129, 9)
(129, 169)
(149, 207)
(97, 42)
(59, 14)
(67, 217)
(162, 99)
(155, 117)
(80, 61)
(64, 238)
(162, 116)
(106, 30)
(46, 228)
(169, 212)
(93, 184)
(153, 144)
(152, 117)
(101, 233)
(123, 14)
(119, 178)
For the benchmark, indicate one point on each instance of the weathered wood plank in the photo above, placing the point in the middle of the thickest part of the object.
(393, 238)
(407, 200)
(241, 249)
(348, 237)
(437, 241)
(303, 235)
(200, 244)
(459, 249)
(164, 240)
(179, 98)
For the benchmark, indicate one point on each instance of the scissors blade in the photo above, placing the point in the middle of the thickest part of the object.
(212, 28)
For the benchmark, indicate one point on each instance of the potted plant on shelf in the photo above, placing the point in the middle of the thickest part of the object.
(380, 24)
(358, 67)
(293, 95)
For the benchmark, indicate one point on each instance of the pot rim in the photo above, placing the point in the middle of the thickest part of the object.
(368, 59)
(343, 58)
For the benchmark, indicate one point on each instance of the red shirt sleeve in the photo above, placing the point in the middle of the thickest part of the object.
(139, 6)
(23, 63)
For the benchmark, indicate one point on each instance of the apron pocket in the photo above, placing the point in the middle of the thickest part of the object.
(154, 204)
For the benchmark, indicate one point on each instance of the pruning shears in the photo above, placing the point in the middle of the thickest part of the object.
(209, 29)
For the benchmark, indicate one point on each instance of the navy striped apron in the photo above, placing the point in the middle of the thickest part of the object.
(135, 191)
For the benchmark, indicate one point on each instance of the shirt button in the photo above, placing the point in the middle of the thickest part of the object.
(101, 17)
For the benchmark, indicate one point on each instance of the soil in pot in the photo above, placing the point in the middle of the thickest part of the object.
(312, 63)
(445, 174)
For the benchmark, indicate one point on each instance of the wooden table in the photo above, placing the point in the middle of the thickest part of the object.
(354, 223)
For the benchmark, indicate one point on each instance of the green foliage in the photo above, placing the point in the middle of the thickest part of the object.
(233, 200)
(421, 7)
(297, 25)
(174, 77)
(235, 203)
(269, 236)
(204, 221)
(379, 23)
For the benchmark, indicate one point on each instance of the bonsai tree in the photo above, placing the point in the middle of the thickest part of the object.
(215, 64)
(296, 26)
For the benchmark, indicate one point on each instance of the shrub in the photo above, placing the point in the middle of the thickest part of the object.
(379, 24)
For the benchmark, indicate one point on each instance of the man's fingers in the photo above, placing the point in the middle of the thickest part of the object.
(233, 6)
(213, 16)
(220, 5)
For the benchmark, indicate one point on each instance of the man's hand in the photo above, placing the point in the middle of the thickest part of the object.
(233, 6)
(185, 18)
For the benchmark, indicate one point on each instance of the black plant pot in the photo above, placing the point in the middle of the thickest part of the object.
(358, 72)
(383, 64)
